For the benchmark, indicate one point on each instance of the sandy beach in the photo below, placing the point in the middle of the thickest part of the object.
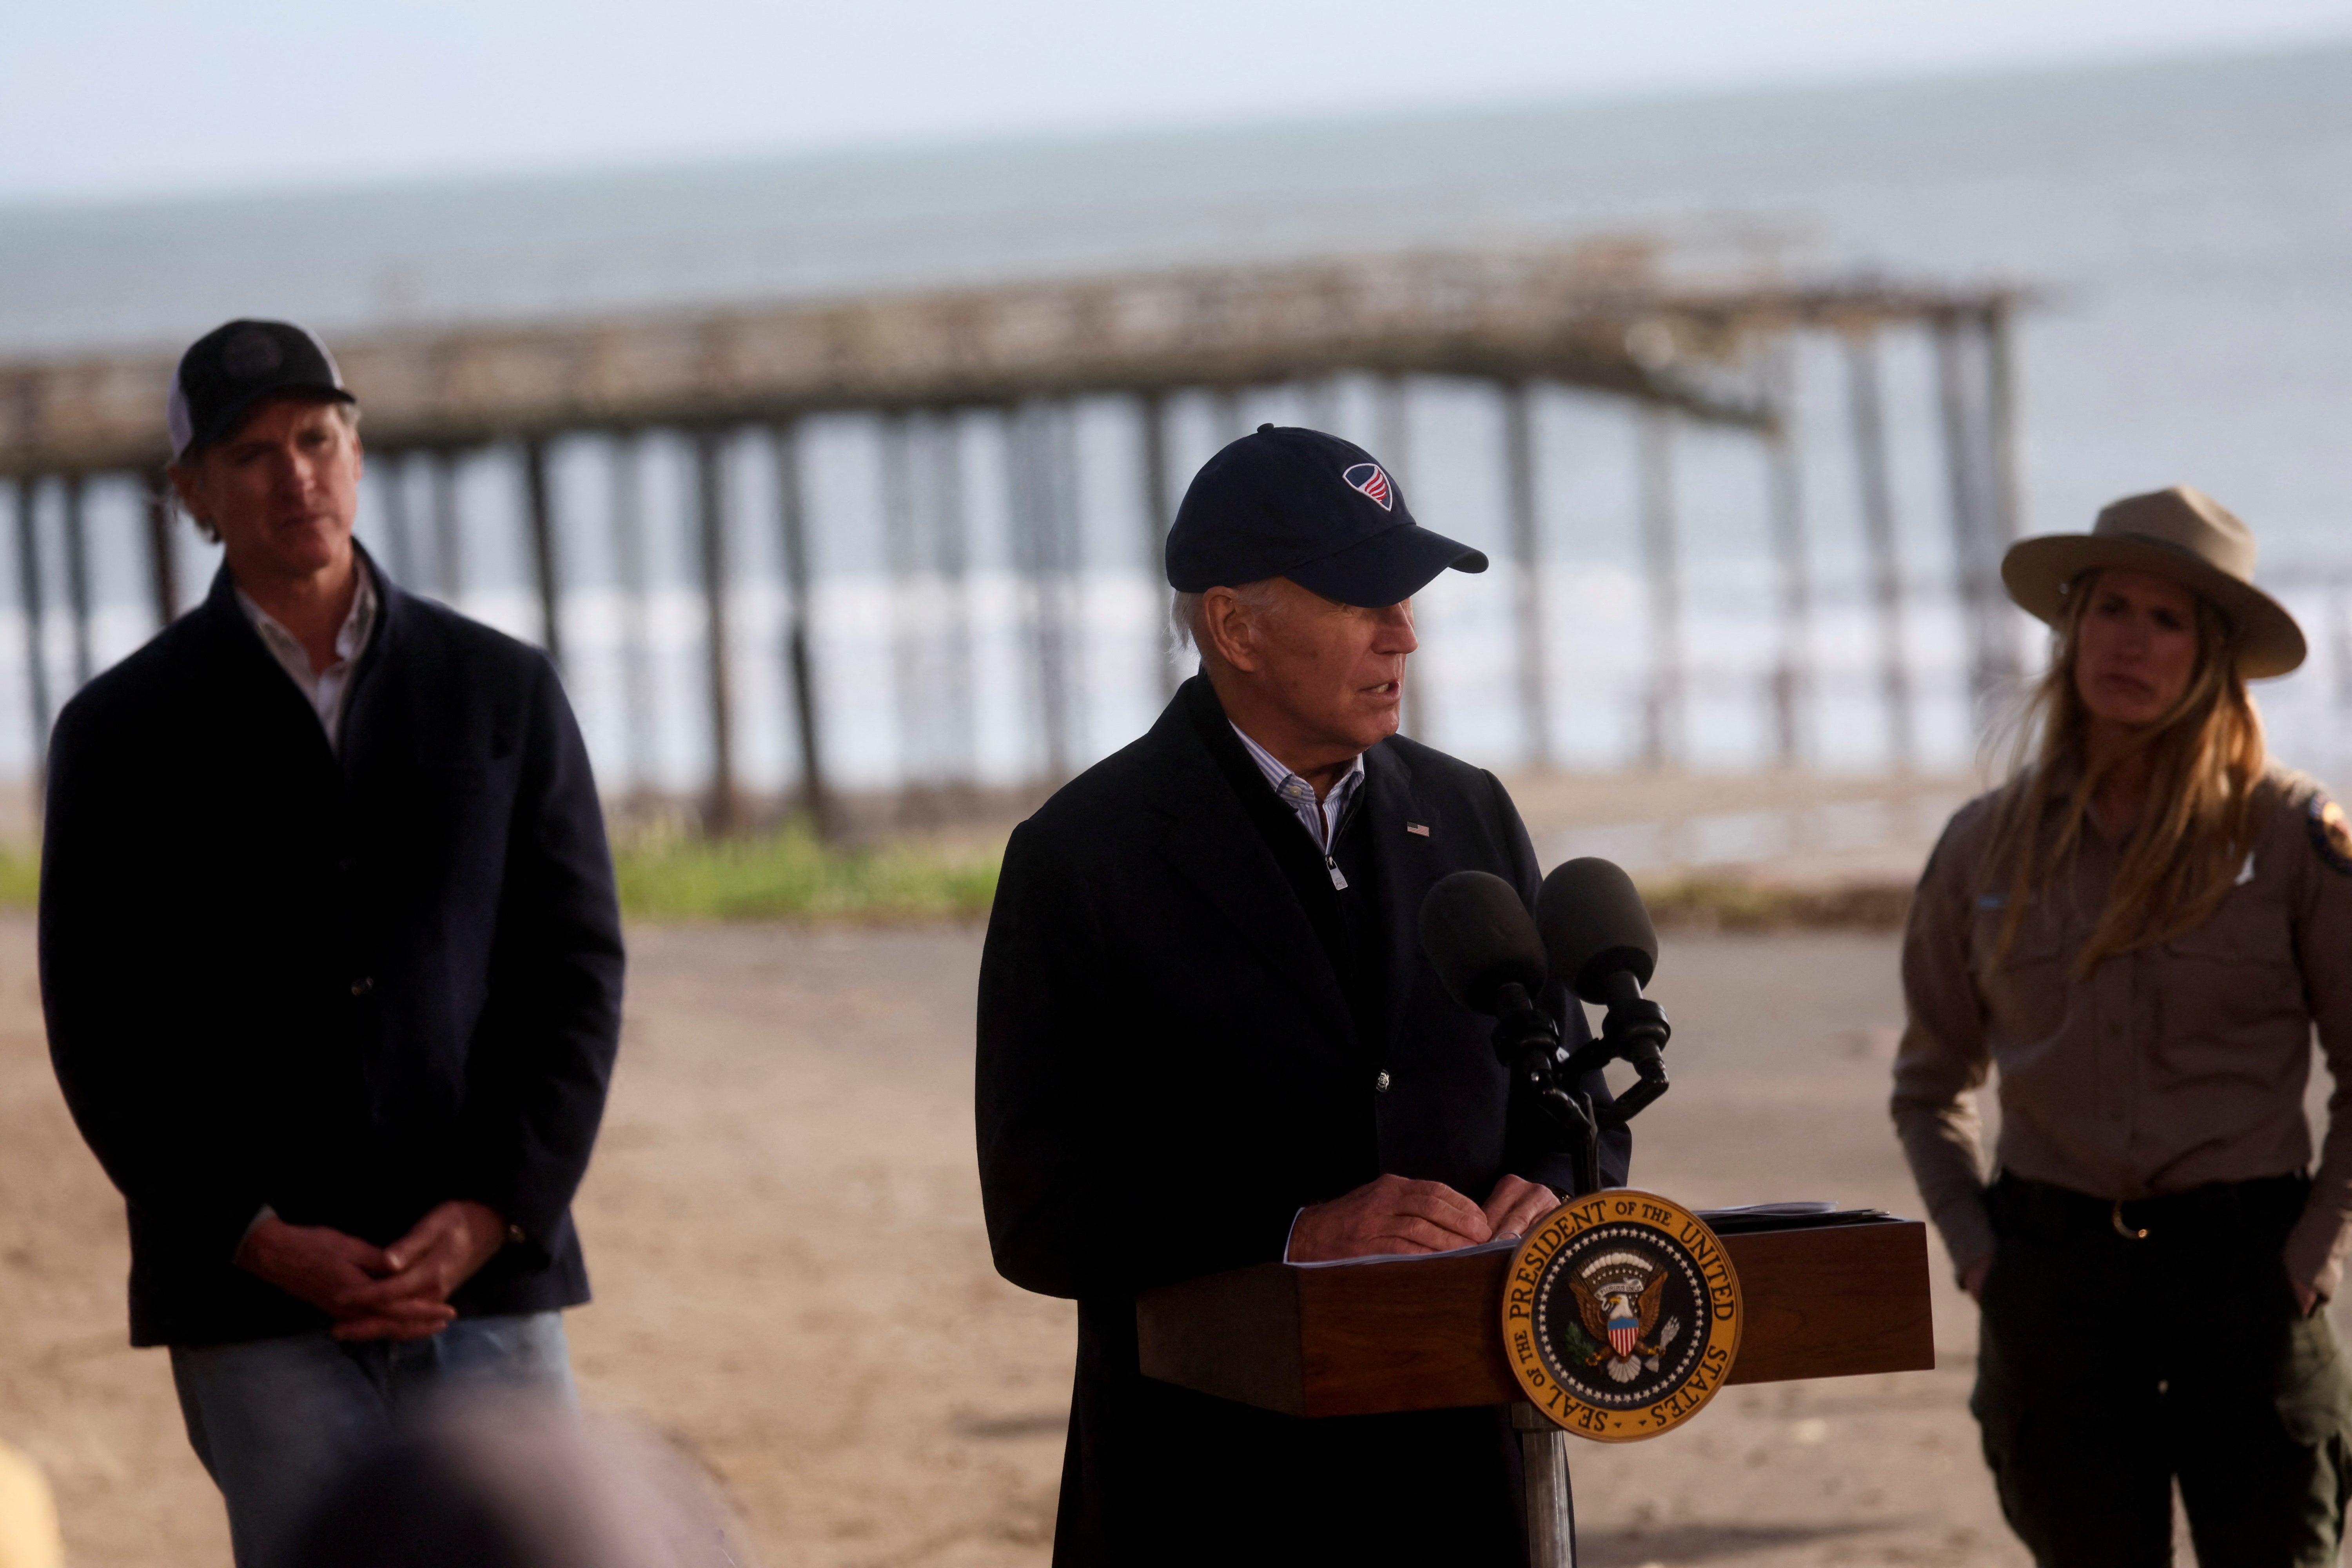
(792, 1282)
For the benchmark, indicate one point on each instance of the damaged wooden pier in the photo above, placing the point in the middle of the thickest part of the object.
(1607, 316)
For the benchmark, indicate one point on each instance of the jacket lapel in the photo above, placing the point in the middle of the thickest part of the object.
(240, 645)
(257, 675)
(1406, 868)
(1211, 843)
(359, 700)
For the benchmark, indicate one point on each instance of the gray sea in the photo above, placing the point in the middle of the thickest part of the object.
(2186, 226)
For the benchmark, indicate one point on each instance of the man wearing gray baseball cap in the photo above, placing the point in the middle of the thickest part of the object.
(1209, 1036)
(331, 961)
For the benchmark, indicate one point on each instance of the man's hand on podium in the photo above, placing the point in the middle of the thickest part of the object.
(1518, 1205)
(1390, 1215)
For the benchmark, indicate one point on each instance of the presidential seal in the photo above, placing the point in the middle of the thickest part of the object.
(1621, 1315)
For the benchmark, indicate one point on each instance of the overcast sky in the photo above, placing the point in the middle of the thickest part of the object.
(103, 99)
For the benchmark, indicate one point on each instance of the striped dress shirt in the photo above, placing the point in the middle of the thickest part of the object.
(1320, 818)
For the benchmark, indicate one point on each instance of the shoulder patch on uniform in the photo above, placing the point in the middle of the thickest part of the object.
(2331, 835)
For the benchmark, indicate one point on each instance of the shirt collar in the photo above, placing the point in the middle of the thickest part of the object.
(349, 637)
(1320, 818)
(1279, 774)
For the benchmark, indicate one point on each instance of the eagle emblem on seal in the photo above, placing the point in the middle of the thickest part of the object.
(1620, 1315)
(1619, 1295)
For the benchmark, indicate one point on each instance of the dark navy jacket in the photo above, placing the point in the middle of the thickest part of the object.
(348, 987)
(1172, 1062)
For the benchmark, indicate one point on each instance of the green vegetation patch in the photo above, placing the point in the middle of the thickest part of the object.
(791, 875)
(20, 877)
(1715, 903)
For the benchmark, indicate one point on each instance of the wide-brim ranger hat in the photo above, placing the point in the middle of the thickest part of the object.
(1297, 503)
(2180, 533)
(234, 367)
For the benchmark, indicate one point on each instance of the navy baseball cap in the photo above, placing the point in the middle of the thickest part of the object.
(1288, 502)
(234, 366)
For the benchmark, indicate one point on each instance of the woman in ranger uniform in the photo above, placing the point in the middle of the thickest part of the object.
(2140, 929)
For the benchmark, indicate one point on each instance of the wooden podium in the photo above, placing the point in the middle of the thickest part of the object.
(1425, 1333)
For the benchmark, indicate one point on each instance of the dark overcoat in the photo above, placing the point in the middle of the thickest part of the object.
(349, 987)
(1172, 1064)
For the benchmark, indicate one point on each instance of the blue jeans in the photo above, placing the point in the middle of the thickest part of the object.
(276, 1421)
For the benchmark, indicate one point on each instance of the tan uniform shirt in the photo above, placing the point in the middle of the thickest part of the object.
(2170, 1067)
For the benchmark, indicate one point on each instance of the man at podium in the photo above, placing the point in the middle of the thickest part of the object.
(1208, 1037)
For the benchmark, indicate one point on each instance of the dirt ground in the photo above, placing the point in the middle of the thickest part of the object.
(792, 1282)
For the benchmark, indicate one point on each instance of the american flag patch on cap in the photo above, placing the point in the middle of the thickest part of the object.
(1369, 479)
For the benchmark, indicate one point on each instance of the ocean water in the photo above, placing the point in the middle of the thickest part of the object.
(2186, 225)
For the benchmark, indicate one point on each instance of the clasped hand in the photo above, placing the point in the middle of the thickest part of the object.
(1396, 1214)
(396, 1292)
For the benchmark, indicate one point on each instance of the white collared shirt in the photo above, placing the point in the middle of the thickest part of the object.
(325, 690)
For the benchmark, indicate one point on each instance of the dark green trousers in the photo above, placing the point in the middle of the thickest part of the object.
(2108, 1366)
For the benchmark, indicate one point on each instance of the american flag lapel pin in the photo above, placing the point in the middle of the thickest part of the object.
(1419, 828)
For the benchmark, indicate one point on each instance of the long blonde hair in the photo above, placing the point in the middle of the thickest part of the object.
(2207, 755)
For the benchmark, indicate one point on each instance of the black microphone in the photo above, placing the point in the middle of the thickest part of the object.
(1486, 951)
(1480, 938)
(1598, 938)
(1490, 958)
(1596, 929)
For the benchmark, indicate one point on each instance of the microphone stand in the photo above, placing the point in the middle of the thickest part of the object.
(1634, 1031)
(1526, 1039)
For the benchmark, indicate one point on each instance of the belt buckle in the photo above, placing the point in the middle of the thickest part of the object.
(2115, 1218)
